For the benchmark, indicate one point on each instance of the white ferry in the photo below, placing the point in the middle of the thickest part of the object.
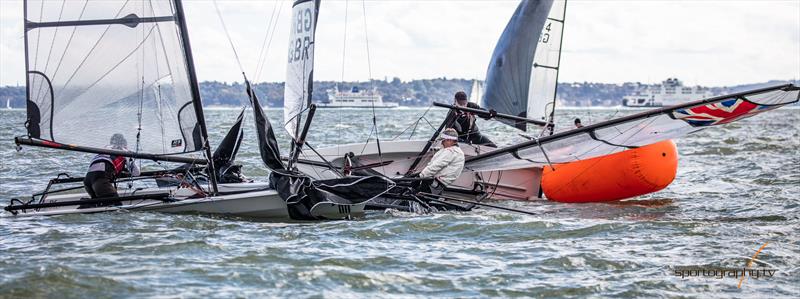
(669, 92)
(355, 98)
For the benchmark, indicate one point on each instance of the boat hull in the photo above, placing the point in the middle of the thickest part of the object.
(518, 184)
(251, 201)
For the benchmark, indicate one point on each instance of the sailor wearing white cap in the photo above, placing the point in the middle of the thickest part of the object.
(447, 163)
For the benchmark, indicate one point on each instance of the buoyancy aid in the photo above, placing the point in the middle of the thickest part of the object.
(117, 161)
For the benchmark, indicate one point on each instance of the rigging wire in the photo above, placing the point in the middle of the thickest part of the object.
(227, 34)
(372, 83)
(265, 48)
(336, 87)
(50, 52)
(266, 35)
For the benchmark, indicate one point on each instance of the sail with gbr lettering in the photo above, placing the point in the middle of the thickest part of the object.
(300, 67)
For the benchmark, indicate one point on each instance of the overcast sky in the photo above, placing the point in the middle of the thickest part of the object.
(700, 42)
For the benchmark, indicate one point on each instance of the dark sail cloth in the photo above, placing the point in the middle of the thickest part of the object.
(468, 132)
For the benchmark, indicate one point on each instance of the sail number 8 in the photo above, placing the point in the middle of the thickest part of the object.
(303, 25)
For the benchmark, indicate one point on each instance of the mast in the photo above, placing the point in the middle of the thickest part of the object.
(27, 64)
(195, 87)
(552, 120)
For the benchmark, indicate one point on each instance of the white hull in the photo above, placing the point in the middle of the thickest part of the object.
(250, 203)
(519, 184)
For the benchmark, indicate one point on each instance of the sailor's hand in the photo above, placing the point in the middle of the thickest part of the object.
(492, 113)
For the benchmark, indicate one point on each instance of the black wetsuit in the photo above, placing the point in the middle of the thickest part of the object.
(464, 124)
(100, 184)
(99, 180)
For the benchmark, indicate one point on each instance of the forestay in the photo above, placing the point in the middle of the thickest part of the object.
(96, 68)
(507, 85)
(546, 61)
(635, 130)
(300, 68)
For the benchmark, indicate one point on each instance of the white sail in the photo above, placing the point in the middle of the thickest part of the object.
(300, 67)
(476, 92)
(544, 76)
(98, 68)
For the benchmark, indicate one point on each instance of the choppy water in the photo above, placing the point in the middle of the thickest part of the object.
(737, 187)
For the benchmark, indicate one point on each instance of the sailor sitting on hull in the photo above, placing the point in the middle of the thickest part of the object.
(447, 164)
(464, 122)
(104, 169)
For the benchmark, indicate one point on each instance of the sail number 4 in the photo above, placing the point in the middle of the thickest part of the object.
(303, 24)
(545, 36)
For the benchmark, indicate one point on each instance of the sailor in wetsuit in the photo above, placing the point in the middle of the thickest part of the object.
(464, 122)
(104, 169)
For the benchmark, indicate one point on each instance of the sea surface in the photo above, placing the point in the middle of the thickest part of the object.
(737, 188)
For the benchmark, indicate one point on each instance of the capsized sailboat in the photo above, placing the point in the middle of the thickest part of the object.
(306, 197)
(513, 56)
(521, 81)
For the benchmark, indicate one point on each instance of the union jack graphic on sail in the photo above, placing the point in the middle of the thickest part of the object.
(720, 113)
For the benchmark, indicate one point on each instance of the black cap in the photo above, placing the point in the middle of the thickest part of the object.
(577, 120)
(461, 96)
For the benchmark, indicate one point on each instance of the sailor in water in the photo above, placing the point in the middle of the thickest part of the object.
(104, 169)
(447, 163)
(464, 122)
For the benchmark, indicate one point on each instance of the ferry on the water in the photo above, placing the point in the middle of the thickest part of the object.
(355, 98)
(669, 92)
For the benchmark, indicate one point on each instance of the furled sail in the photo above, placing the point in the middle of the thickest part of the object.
(635, 130)
(97, 68)
(546, 61)
(300, 67)
(507, 85)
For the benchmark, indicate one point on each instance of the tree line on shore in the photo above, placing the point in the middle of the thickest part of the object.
(412, 93)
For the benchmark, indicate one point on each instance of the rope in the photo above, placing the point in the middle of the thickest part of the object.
(264, 41)
(344, 52)
(269, 43)
(227, 34)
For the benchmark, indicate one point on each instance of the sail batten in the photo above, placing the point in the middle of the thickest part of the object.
(97, 68)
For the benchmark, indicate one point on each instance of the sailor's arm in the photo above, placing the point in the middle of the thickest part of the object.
(491, 114)
(134, 170)
(439, 161)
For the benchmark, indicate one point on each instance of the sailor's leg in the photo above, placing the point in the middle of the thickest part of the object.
(104, 186)
(87, 184)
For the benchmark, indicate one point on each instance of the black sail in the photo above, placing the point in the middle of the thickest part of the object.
(226, 152)
(267, 144)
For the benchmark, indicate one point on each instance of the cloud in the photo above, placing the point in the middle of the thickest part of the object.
(702, 42)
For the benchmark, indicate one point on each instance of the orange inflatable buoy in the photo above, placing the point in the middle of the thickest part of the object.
(617, 176)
